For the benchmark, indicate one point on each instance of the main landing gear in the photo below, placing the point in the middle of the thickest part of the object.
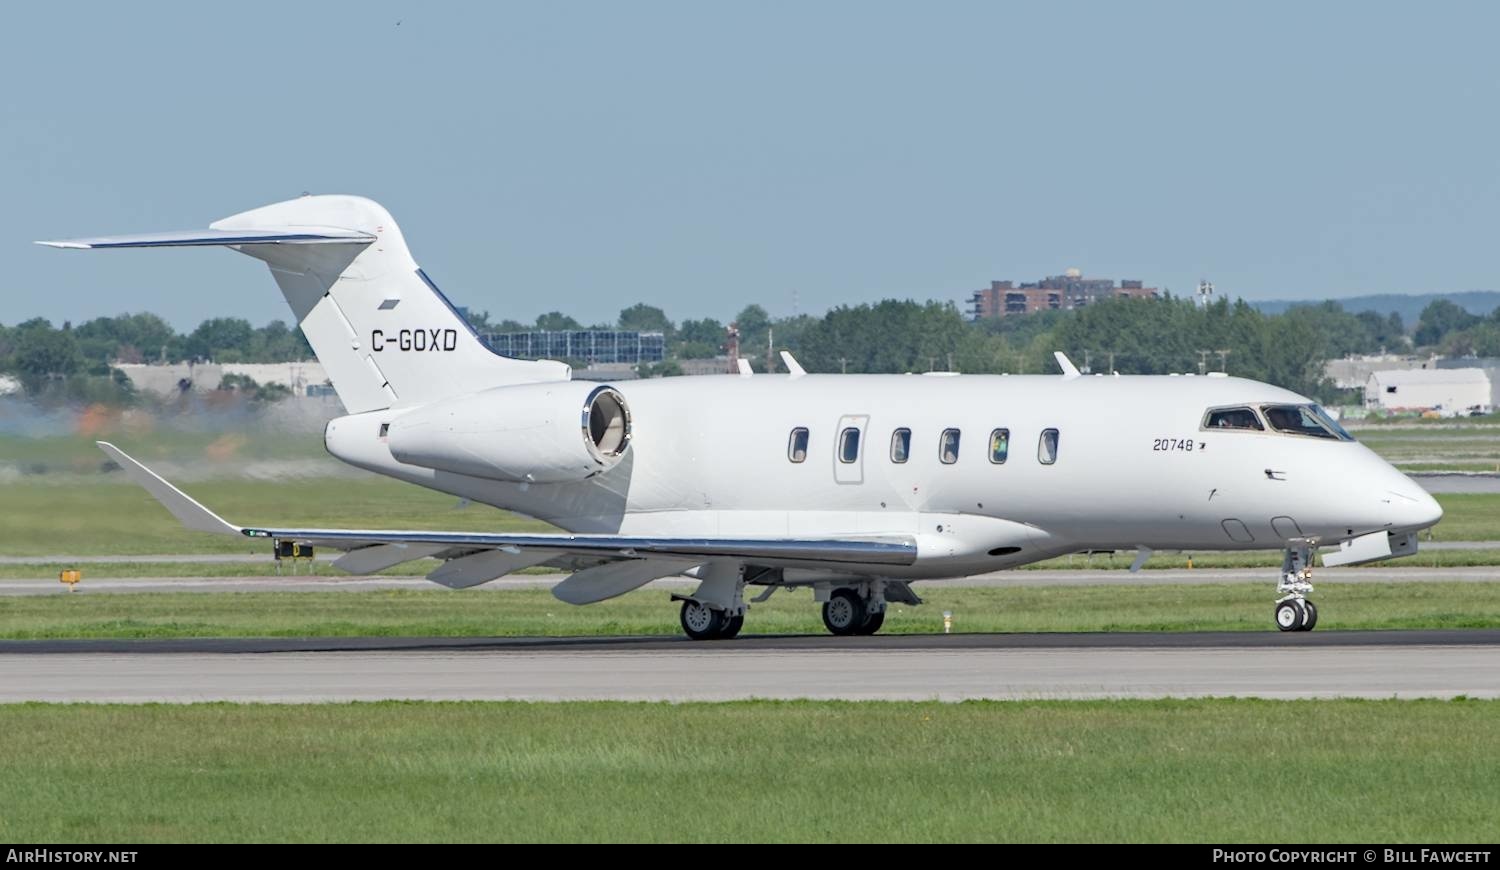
(860, 608)
(702, 622)
(1293, 611)
(716, 610)
(847, 612)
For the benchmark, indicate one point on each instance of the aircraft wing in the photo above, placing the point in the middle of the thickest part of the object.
(395, 544)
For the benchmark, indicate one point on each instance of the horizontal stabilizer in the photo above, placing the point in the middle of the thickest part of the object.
(198, 238)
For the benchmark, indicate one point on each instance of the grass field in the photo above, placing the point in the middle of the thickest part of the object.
(1204, 771)
(119, 518)
(534, 612)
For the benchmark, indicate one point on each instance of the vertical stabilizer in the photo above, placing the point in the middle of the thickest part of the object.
(385, 334)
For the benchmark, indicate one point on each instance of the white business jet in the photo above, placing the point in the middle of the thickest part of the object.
(853, 485)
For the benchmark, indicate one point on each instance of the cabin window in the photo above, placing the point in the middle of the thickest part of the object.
(849, 445)
(1046, 447)
(900, 445)
(948, 446)
(999, 446)
(796, 446)
(1232, 418)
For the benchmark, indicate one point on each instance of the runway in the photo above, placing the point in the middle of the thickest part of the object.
(1374, 664)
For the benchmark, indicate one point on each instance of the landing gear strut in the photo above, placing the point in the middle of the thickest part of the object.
(1293, 611)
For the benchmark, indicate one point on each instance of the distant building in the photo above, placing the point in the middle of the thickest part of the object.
(1451, 391)
(1056, 292)
(303, 377)
(1352, 372)
(589, 345)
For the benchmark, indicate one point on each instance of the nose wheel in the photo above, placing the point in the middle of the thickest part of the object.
(1293, 611)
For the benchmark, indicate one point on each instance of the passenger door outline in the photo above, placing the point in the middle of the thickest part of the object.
(851, 472)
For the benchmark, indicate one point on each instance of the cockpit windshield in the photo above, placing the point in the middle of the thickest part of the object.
(1309, 420)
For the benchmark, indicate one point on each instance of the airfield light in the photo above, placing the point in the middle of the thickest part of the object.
(947, 622)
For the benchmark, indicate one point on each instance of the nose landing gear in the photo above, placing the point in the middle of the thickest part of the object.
(1293, 611)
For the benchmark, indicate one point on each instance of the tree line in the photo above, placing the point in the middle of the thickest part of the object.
(1130, 336)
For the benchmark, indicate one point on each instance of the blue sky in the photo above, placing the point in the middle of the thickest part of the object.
(701, 156)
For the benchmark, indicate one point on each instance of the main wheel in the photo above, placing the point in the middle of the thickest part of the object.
(1312, 615)
(1290, 615)
(844, 612)
(702, 622)
(732, 626)
(873, 622)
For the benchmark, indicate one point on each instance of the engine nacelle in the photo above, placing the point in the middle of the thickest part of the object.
(532, 433)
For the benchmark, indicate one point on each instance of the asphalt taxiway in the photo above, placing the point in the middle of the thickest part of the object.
(1363, 664)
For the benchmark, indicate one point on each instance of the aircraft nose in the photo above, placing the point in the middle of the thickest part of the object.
(1414, 509)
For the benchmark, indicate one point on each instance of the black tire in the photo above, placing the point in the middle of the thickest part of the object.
(844, 612)
(702, 622)
(873, 622)
(732, 626)
(1289, 615)
(1312, 616)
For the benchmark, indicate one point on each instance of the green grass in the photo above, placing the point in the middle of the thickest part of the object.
(152, 442)
(118, 518)
(534, 612)
(1468, 517)
(1162, 771)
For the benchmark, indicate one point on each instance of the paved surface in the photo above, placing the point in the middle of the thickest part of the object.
(1442, 483)
(952, 667)
(1408, 573)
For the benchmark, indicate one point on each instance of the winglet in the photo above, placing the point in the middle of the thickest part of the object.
(182, 506)
(792, 366)
(1069, 370)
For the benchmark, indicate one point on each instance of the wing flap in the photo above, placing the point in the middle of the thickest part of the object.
(478, 568)
(377, 558)
(613, 579)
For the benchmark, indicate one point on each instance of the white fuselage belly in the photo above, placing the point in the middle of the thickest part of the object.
(709, 457)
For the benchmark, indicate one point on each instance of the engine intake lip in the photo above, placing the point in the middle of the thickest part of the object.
(605, 400)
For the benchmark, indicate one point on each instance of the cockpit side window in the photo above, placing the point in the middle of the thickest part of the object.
(1232, 418)
(1309, 420)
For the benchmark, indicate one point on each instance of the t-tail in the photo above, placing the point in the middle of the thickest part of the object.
(385, 334)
